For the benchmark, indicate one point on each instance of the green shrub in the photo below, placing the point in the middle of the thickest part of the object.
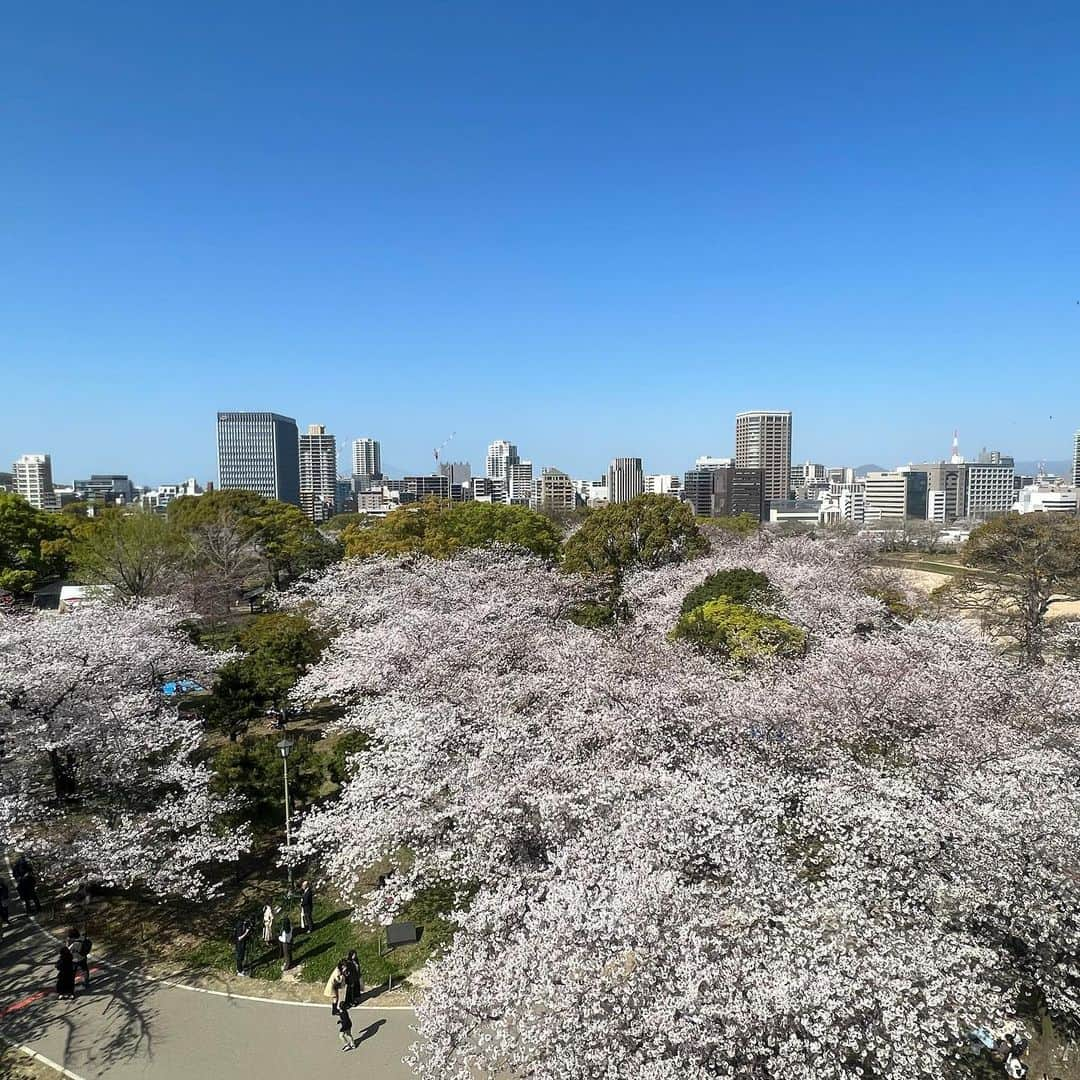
(738, 633)
(740, 586)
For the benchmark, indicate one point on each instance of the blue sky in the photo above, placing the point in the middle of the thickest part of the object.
(596, 229)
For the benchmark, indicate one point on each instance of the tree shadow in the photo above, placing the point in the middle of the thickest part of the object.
(108, 1024)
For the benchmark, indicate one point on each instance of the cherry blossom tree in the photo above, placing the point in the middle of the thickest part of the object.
(670, 868)
(99, 774)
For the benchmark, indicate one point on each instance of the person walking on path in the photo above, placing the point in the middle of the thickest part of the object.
(307, 907)
(241, 935)
(344, 1021)
(268, 925)
(286, 938)
(354, 979)
(26, 883)
(80, 951)
(65, 974)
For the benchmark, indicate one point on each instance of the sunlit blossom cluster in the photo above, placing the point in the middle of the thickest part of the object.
(829, 867)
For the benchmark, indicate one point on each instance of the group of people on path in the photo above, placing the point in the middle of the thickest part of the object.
(345, 988)
(283, 933)
(74, 957)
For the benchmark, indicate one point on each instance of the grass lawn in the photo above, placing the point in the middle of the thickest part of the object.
(196, 938)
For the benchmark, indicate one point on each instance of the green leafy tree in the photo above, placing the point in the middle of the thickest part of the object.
(740, 585)
(646, 532)
(280, 646)
(136, 553)
(252, 768)
(236, 701)
(34, 544)
(283, 537)
(1029, 563)
(436, 529)
(739, 633)
(737, 524)
(277, 648)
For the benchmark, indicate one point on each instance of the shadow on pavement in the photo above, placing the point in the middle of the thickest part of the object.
(109, 1023)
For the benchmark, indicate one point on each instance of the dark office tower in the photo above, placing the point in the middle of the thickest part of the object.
(726, 491)
(260, 452)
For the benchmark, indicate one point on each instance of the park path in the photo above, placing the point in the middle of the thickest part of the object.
(129, 1027)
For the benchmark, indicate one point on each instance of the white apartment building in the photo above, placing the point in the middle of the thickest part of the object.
(625, 479)
(937, 502)
(885, 494)
(519, 482)
(1047, 498)
(763, 441)
(663, 484)
(159, 498)
(366, 464)
(33, 480)
(487, 489)
(1076, 460)
(554, 490)
(598, 493)
(318, 473)
(500, 456)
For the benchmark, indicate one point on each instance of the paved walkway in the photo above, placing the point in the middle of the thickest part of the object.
(131, 1028)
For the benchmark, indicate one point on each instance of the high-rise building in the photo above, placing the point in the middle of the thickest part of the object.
(426, 487)
(1076, 460)
(725, 492)
(318, 473)
(260, 452)
(366, 464)
(625, 479)
(460, 472)
(33, 480)
(985, 489)
(490, 489)
(554, 490)
(944, 477)
(519, 482)
(886, 495)
(763, 441)
(500, 456)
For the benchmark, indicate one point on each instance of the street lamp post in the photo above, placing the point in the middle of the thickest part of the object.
(285, 747)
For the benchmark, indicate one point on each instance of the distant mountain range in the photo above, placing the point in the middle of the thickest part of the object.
(862, 470)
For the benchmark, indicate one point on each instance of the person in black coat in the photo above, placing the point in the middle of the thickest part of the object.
(65, 975)
(26, 884)
(241, 936)
(5, 914)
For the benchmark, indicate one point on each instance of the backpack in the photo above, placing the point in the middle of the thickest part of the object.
(86, 944)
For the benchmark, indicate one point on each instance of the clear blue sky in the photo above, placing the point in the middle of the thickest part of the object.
(594, 229)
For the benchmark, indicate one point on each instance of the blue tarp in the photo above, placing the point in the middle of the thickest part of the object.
(183, 686)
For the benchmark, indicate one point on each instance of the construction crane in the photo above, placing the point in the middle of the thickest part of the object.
(449, 479)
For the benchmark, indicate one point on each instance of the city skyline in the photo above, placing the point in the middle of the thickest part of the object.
(399, 221)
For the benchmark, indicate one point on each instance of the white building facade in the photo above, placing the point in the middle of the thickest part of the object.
(32, 479)
(625, 479)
